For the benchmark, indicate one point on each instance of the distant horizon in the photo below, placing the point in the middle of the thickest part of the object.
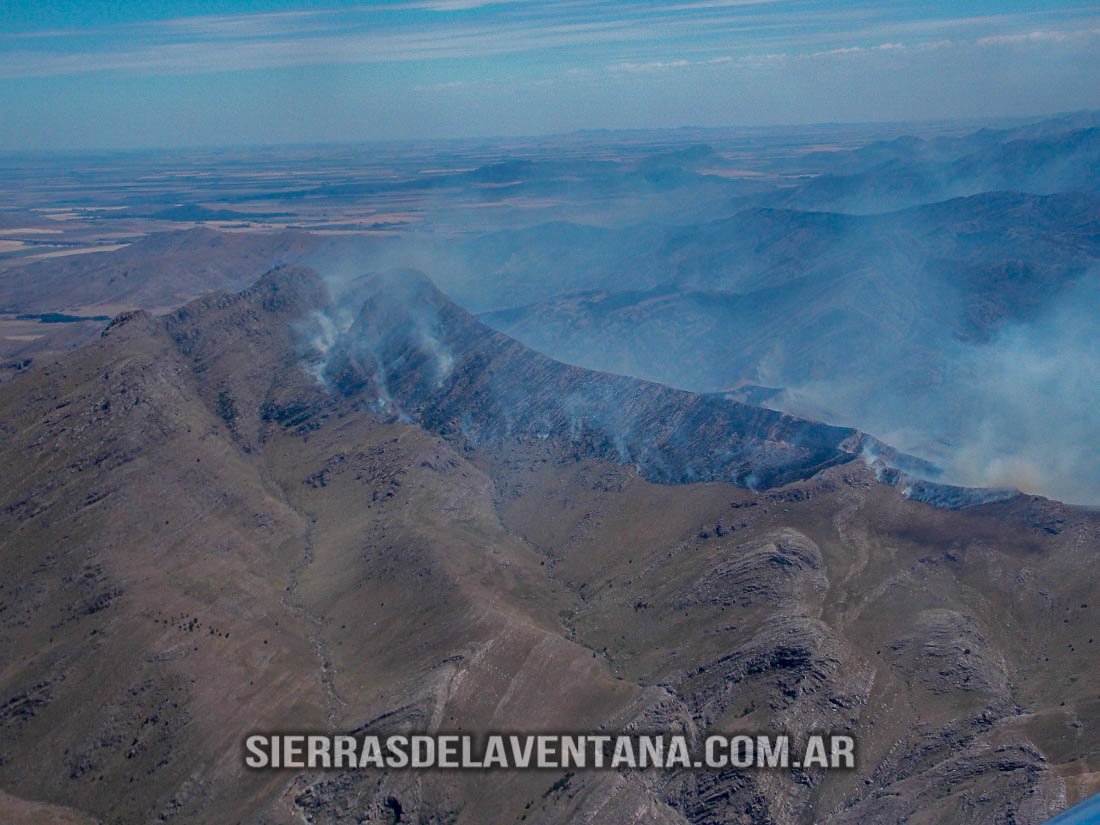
(962, 122)
(195, 73)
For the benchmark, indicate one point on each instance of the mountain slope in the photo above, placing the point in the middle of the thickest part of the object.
(416, 349)
(915, 325)
(201, 541)
(162, 270)
(157, 273)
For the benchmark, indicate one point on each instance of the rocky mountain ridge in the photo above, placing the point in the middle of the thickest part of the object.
(202, 539)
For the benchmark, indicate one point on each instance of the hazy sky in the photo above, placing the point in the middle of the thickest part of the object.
(85, 75)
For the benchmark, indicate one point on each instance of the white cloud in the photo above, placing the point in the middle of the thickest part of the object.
(667, 36)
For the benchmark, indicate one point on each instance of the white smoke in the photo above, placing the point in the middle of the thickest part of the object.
(1033, 412)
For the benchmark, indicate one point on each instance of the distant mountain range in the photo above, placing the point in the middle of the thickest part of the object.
(868, 315)
(920, 172)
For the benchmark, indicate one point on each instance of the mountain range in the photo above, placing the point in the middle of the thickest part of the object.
(351, 506)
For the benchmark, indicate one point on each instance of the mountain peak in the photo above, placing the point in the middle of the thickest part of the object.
(289, 284)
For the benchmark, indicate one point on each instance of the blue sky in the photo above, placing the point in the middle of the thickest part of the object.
(89, 75)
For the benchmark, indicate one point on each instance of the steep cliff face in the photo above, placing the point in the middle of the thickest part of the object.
(414, 349)
(200, 539)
